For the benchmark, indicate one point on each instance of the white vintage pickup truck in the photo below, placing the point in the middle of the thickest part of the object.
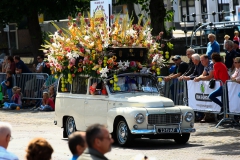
(132, 108)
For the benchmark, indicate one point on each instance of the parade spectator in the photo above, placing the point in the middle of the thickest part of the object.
(52, 83)
(236, 75)
(16, 100)
(99, 142)
(52, 93)
(212, 46)
(230, 55)
(39, 149)
(12, 65)
(8, 84)
(47, 103)
(226, 37)
(38, 69)
(20, 66)
(77, 144)
(220, 73)
(191, 65)
(5, 138)
(5, 64)
(236, 36)
(205, 76)
(181, 67)
(236, 46)
(208, 69)
(198, 70)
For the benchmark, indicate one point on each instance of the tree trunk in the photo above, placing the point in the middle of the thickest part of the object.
(131, 12)
(157, 14)
(35, 33)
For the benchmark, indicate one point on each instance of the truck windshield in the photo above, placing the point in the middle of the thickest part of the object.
(132, 83)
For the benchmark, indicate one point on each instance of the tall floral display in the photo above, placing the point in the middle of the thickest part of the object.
(88, 47)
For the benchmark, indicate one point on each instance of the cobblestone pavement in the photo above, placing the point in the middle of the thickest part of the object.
(208, 142)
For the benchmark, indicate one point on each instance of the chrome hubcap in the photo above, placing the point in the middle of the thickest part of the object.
(122, 132)
(70, 125)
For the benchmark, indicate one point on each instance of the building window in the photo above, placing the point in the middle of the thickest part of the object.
(187, 8)
(235, 3)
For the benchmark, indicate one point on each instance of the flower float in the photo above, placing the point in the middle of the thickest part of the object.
(87, 48)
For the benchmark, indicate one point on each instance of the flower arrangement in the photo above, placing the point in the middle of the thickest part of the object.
(85, 47)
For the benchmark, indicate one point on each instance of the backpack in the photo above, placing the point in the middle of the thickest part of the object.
(46, 69)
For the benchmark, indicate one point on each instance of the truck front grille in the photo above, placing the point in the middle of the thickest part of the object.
(164, 118)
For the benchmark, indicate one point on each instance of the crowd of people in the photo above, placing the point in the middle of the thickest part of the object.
(15, 66)
(89, 145)
(209, 66)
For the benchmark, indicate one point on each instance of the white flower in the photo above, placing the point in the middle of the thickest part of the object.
(75, 54)
(155, 58)
(56, 45)
(86, 38)
(103, 72)
(68, 40)
(126, 64)
(131, 32)
(120, 64)
(69, 55)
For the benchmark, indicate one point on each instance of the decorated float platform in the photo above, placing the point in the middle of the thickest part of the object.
(90, 47)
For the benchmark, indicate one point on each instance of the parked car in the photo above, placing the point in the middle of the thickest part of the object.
(131, 109)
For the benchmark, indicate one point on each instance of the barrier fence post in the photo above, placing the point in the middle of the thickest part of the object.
(226, 109)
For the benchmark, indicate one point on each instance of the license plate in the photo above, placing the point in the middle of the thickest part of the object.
(167, 130)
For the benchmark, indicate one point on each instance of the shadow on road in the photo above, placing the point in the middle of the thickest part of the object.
(225, 149)
(148, 144)
(21, 111)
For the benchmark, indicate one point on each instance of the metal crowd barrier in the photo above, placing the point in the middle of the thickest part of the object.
(175, 86)
(226, 103)
(31, 84)
(180, 97)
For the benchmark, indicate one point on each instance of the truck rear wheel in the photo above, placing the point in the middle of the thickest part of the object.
(69, 126)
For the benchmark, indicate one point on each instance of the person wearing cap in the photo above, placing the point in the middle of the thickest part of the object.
(213, 46)
(236, 46)
(226, 37)
(181, 67)
(230, 55)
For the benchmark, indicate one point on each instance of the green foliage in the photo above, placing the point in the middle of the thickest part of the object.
(15, 10)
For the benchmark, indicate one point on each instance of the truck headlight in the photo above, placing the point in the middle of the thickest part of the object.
(188, 116)
(139, 118)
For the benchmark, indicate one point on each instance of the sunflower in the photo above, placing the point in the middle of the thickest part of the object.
(80, 64)
(114, 58)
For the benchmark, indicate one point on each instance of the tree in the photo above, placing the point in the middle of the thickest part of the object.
(16, 10)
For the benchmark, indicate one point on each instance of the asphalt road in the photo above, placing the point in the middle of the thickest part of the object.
(208, 142)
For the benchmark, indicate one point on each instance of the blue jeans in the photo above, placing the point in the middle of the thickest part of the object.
(9, 91)
(4, 85)
(213, 96)
(46, 108)
(7, 105)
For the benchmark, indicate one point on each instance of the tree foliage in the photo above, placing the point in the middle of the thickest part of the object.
(15, 10)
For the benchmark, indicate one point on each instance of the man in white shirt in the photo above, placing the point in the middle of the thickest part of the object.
(5, 138)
